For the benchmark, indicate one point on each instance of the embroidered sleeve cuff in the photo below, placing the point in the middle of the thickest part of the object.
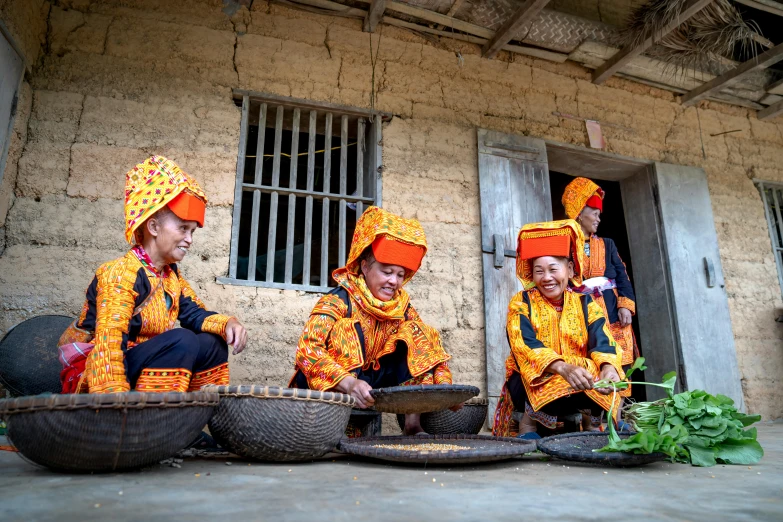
(539, 363)
(325, 375)
(216, 324)
(105, 367)
(110, 387)
(600, 358)
(443, 374)
(624, 302)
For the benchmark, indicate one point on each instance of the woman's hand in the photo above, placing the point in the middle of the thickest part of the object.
(579, 378)
(625, 316)
(236, 335)
(358, 389)
(607, 372)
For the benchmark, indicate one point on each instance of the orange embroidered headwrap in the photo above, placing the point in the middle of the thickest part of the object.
(395, 240)
(552, 238)
(580, 193)
(158, 182)
(389, 251)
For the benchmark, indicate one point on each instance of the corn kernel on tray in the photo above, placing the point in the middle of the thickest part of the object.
(438, 449)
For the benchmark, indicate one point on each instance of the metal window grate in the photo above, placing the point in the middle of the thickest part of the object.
(305, 172)
(772, 195)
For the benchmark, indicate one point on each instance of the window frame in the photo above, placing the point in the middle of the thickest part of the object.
(308, 112)
(777, 251)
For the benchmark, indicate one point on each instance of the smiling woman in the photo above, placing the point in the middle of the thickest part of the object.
(365, 334)
(560, 342)
(125, 337)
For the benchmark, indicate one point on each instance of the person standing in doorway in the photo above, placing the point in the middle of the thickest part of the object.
(604, 272)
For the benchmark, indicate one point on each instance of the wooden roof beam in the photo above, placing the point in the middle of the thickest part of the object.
(776, 109)
(435, 17)
(519, 49)
(762, 61)
(374, 15)
(453, 9)
(526, 12)
(764, 5)
(626, 54)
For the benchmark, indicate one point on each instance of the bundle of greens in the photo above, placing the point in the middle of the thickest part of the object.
(691, 427)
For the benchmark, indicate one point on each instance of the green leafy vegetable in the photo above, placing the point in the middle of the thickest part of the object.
(691, 427)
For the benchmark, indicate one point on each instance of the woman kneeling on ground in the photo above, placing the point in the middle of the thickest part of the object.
(125, 337)
(365, 334)
(560, 342)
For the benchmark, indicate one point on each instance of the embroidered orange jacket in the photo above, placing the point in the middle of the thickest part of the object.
(107, 317)
(340, 337)
(539, 336)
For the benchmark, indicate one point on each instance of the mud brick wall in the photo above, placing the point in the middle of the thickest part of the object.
(121, 80)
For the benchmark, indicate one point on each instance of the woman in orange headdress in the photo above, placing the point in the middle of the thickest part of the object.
(560, 344)
(365, 334)
(125, 337)
(609, 282)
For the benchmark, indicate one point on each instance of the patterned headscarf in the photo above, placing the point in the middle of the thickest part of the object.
(577, 193)
(549, 229)
(150, 186)
(379, 222)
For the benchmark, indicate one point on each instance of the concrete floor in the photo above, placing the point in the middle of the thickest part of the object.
(345, 489)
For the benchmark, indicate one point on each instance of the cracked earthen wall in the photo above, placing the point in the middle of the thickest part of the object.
(26, 23)
(121, 80)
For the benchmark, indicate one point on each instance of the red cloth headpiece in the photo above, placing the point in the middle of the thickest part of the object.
(558, 246)
(595, 202)
(391, 252)
(188, 207)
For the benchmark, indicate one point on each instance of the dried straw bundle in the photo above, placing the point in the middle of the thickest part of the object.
(706, 41)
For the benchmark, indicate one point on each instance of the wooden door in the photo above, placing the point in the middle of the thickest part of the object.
(514, 190)
(657, 322)
(11, 67)
(704, 334)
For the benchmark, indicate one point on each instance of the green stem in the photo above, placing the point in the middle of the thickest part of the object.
(624, 384)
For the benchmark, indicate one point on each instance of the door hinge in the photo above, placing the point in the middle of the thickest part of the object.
(709, 268)
(498, 251)
(683, 384)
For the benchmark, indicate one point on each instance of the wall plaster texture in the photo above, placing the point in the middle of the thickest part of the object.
(106, 94)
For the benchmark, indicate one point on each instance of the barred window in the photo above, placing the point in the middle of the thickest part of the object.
(305, 172)
(772, 195)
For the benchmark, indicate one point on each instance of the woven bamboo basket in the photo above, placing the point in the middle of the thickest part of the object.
(469, 420)
(364, 423)
(579, 446)
(105, 432)
(279, 424)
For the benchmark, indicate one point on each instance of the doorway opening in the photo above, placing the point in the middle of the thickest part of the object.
(613, 227)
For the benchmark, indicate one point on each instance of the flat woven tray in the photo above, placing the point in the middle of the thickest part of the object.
(279, 424)
(579, 447)
(421, 398)
(479, 449)
(105, 432)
